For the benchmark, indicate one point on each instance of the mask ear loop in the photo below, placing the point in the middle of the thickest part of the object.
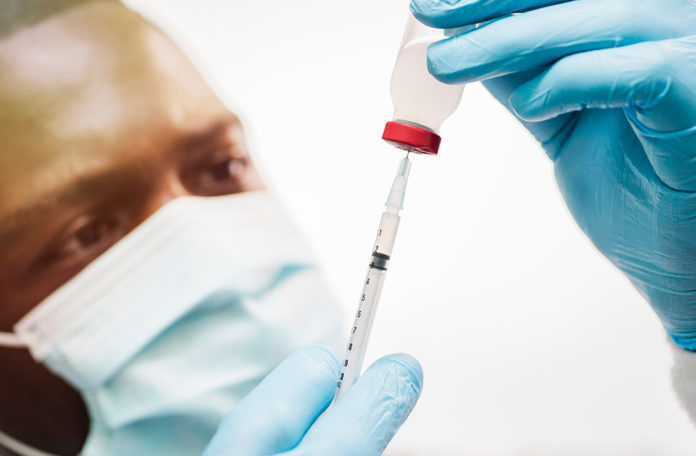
(20, 448)
(10, 340)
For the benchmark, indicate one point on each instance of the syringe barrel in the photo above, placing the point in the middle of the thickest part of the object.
(372, 288)
(360, 331)
(386, 235)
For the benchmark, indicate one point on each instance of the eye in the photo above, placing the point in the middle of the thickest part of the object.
(226, 170)
(86, 239)
(219, 176)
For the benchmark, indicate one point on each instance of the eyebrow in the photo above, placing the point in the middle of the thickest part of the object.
(199, 138)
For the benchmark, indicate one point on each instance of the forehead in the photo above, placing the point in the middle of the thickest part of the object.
(86, 87)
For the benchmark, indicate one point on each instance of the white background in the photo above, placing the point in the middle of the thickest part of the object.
(532, 344)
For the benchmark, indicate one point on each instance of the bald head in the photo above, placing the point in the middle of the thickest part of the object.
(88, 78)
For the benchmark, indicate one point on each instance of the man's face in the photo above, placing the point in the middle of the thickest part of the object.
(102, 121)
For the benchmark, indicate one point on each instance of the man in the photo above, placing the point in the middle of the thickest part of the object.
(604, 86)
(145, 311)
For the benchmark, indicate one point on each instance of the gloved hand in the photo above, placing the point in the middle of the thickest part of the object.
(282, 414)
(608, 87)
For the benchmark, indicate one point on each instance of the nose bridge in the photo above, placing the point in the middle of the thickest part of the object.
(167, 188)
(173, 186)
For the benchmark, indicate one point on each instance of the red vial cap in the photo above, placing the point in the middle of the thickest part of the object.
(409, 137)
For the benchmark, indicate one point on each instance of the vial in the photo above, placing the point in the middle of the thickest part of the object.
(421, 102)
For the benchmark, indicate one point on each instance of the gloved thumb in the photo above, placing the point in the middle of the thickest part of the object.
(275, 416)
(363, 421)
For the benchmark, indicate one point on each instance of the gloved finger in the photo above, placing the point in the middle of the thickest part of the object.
(276, 414)
(653, 80)
(365, 420)
(542, 36)
(630, 76)
(546, 133)
(456, 13)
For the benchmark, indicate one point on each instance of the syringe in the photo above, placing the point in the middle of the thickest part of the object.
(381, 254)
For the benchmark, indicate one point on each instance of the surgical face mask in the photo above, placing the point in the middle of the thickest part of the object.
(164, 333)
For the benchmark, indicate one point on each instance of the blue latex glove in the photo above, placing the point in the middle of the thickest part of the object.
(282, 414)
(608, 87)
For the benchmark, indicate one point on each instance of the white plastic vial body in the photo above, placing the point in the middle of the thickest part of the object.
(418, 97)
